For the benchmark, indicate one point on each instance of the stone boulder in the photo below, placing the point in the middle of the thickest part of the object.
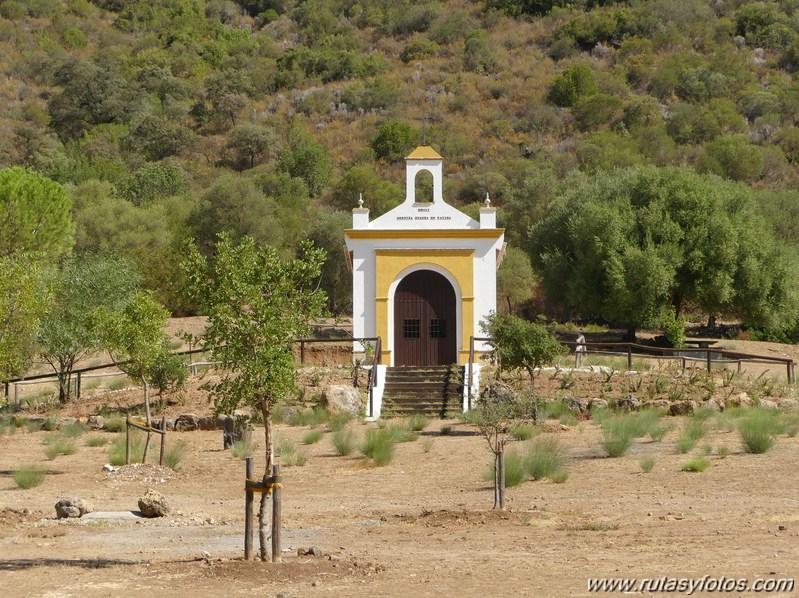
(234, 428)
(209, 422)
(72, 508)
(684, 407)
(714, 405)
(789, 404)
(578, 406)
(96, 422)
(768, 404)
(663, 404)
(338, 398)
(629, 403)
(739, 400)
(186, 422)
(153, 504)
(595, 404)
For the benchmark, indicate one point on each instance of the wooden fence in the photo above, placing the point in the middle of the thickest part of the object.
(706, 354)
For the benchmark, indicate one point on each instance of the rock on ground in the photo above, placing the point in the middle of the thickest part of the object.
(338, 398)
(72, 507)
(153, 504)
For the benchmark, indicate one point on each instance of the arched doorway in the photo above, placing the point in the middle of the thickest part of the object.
(425, 320)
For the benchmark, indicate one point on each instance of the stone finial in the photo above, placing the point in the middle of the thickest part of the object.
(488, 200)
(360, 200)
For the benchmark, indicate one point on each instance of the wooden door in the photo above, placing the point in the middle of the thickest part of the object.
(424, 320)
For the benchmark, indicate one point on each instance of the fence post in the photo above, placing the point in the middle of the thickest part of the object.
(302, 351)
(77, 387)
(16, 394)
(277, 504)
(629, 357)
(163, 439)
(248, 520)
(709, 362)
(127, 440)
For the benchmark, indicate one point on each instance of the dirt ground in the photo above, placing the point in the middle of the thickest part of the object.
(420, 526)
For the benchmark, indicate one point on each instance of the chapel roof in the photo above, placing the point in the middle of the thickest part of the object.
(424, 152)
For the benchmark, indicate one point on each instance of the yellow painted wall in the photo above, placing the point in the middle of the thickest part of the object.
(458, 262)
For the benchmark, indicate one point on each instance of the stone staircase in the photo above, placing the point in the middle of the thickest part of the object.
(435, 391)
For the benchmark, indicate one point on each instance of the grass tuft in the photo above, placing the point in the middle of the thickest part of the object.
(759, 430)
(312, 436)
(697, 464)
(339, 421)
(116, 453)
(289, 454)
(75, 429)
(524, 432)
(174, 454)
(545, 458)
(95, 441)
(344, 441)
(379, 446)
(28, 476)
(418, 422)
(243, 449)
(646, 463)
(515, 469)
(58, 444)
(115, 424)
(310, 417)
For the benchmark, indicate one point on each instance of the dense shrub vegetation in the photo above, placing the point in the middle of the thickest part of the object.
(177, 119)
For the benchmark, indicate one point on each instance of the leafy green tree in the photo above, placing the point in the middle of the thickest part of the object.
(733, 157)
(134, 337)
(91, 94)
(256, 304)
(294, 209)
(394, 140)
(77, 289)
(249, 141)
(152, 181)
(23, 296)
(237, 206)
(327, 233)
(158, 137)
(478, 56)
(307, 159)
(575, 82)
(625, 244)
(517, 344)
(36, 214)
(515, 278)
(379, 195)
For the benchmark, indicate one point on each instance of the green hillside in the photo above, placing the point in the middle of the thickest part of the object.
(175, 119)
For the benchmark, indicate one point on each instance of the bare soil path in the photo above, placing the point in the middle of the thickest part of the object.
(420, 526)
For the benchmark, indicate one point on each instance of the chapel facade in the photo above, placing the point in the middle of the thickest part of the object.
(424, 273)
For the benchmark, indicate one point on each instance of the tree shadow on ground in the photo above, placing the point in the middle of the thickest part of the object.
(23, 564)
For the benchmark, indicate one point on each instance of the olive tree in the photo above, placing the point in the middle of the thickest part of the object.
(624, 245)
(78, 288)
(257, 304)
